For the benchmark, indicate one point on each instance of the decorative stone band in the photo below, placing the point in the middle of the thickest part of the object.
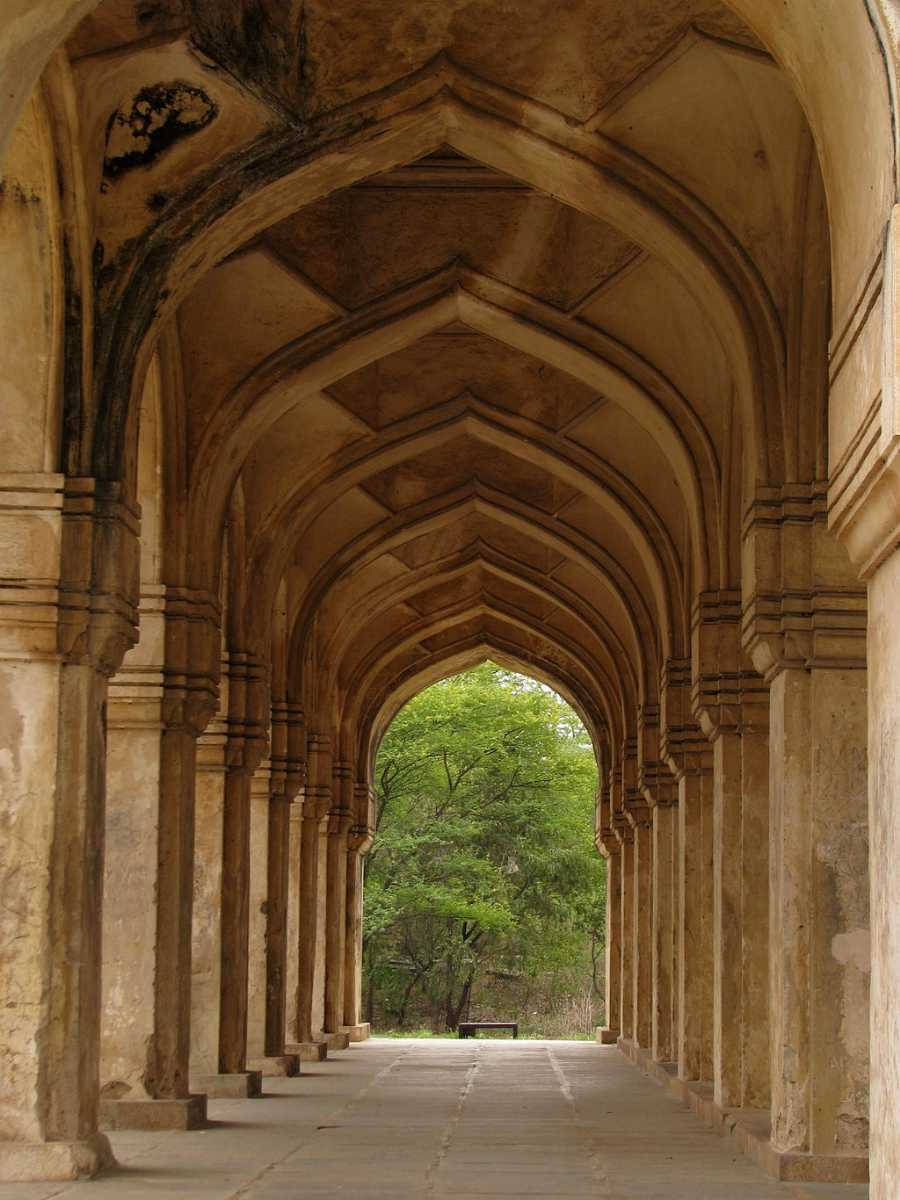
(341, 816)
(682, 743)
(181, 692)
(288, 749)
(365, 806)
(655, 779)
(248, 711)
(622, 828)
(803, 604)
(318, 782)
(727, 695)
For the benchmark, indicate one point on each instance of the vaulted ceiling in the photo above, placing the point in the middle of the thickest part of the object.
(484, 314)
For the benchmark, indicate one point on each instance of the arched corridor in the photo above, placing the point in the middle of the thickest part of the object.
(347, 345)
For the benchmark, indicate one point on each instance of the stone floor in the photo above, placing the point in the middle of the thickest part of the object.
(397, 1120)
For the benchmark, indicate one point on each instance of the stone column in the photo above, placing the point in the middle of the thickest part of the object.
(206, 946)
(609, 846)
(340, 819)
(246, 744)
(695, 911)
(336, 929)
(612, 1029)
(258, 903)
(153, 717)
(288, 766)
(665, 907)
(358, 844)
(293, 1035)
(819, 945)
(640, 819)
(731, 704)
(884, 849)
(805, 631)
(625, 834)
(310, 1044)
(67, 615)
(227, 758)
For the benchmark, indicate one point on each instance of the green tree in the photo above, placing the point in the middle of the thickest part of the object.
(483, 866)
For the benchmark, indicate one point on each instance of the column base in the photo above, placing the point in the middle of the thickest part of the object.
(272, 1065)
(308, 1051)
(186, 1112)
(242, 1085)
(336, 1041)
(749, 1128)
(606, 1036)
(358, 1033)
(30, 1162)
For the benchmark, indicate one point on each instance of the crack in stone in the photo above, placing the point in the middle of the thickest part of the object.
(443, 1149)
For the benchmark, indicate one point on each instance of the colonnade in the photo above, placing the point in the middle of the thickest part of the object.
(738, 947)
(338, 355)
(232, 947)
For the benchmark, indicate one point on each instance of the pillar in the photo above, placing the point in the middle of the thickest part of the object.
(78, 540)
(626, 932)
(288, 757)
(884, 849)
(151, 748)
(640, 818)
(293, 1034)
(731, 704)
(313, 868)
(227, 758)
(244, 751)
(695, 918)
(336, 923)
(358, 843)
(727, 921)
(804, 626)
(819, 948)
(664, 909)
(258, 863)
(612, 852)
(206, 952)
(276, 941)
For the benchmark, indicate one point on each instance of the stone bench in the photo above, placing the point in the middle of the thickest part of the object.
(470, 1028)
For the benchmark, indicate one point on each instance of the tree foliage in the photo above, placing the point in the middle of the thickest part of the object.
(483, 868)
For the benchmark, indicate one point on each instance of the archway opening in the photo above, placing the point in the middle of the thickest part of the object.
(484, 894)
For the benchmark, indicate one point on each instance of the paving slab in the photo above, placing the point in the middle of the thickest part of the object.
(417, 1120)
